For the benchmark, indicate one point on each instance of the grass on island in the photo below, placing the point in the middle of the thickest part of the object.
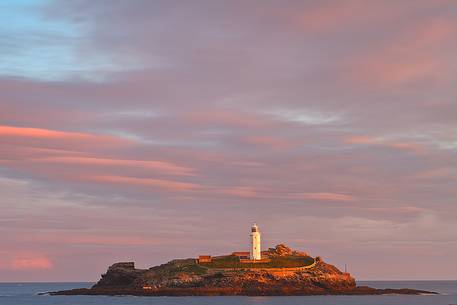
(173, 268)
(232, 261)
(195, 269)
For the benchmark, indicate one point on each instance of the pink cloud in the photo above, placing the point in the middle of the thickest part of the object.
(339, 15)
(26, 136)
(387, 71)
(414, 147)
(413, 54)
(366, 140)
(27, 263)
(278, 194)
(327, 196)
(361, 140)
(325, 17)
(162, 166)
(120, 239)
(157, 183)
(112, 240)
(40, 133)
(436, 30)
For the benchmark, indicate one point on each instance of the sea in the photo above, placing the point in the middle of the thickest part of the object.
(29, 294)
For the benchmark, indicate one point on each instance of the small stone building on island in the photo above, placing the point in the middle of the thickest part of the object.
(204, 259)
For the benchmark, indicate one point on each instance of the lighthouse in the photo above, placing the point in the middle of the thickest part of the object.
(255, 243)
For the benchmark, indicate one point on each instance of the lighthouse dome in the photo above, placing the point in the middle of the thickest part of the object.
(255, 228)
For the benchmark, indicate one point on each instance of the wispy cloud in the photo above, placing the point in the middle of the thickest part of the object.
(160, 166)
(327, 196)
(169, 185)
(307, 117)
(40, 133)
(383, 142)
(31, 263)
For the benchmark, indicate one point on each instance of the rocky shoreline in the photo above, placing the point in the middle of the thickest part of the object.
(189, 277)
(362, 290)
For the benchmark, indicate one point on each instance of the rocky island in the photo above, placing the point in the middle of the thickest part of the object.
(280, 271)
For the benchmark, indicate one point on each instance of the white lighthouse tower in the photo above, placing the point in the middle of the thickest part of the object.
(255, 243)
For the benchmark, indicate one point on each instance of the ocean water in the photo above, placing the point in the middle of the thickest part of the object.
(27, 294)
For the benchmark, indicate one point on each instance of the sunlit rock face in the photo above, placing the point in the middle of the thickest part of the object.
(283, 250)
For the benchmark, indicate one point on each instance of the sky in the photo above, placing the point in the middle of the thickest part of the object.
(151, 130)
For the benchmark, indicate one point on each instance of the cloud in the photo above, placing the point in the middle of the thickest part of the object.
(361, 140)
(31, 263)
(331, 16)
(281, 194)
(306, 117)
(51, 49)
(412, 55)
(78, 239)
(10, 131)
(243, 192)
(366, 140)
(169, 185)
(327, 196)
(161, 166)
(25, 135)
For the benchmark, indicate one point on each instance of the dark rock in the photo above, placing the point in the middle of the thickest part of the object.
(120, 275)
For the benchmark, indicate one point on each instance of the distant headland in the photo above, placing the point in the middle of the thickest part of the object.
(277, 271)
